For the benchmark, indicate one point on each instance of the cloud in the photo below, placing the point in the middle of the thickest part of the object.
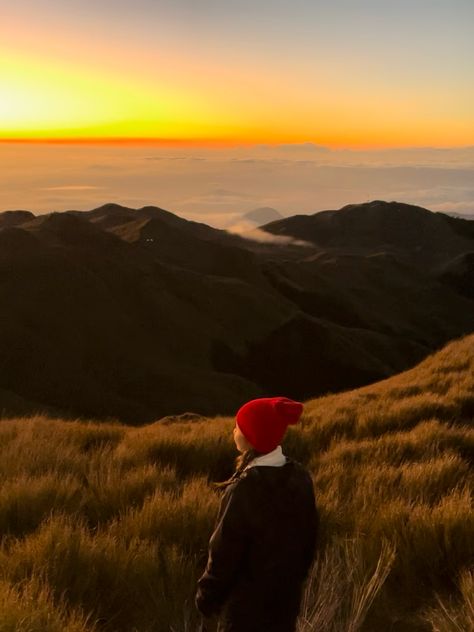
(440, 198)
(226, 193)
(458, 207)
(305, 147)
(312, 147)
(190, 158)
(71, 187)
(217, 197)
(247, 230)
(101, 167)
(218, 186)
(216, 219)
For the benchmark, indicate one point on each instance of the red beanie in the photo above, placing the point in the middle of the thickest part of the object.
(263, 421)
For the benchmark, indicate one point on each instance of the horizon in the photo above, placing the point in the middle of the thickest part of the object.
(209, 143)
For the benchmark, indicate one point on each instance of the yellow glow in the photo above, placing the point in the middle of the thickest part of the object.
(43, 98)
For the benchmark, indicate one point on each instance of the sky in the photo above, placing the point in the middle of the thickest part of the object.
(211, 108)
(342, 74)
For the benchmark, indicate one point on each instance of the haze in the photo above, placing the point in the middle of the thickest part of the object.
(217, 185)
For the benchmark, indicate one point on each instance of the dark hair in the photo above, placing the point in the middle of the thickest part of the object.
(241, 462)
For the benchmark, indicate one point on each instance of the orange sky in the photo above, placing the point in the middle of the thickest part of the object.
(339, 78)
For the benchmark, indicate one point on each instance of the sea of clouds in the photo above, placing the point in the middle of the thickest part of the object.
(218, 185)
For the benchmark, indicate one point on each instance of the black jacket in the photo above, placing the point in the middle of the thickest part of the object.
(261, 550)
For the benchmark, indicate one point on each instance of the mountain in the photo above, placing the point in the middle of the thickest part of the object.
(138, 313)
(412, 233)
(113, 215)
(13, 218)
(262, 215)
(459, 274)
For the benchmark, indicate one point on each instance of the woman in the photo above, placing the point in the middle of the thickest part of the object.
(264, 539)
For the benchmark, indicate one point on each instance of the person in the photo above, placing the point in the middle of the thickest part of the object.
(265, 534)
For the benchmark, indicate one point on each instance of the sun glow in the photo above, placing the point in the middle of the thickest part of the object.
(46, 99)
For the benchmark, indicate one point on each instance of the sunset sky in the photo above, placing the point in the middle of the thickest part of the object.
(345, 73)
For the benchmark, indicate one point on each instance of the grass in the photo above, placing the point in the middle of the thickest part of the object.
(454, 614)
(104, 527)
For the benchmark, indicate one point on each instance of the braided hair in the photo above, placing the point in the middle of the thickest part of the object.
(241, 462)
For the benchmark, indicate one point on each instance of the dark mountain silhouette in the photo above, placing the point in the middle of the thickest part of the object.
(462, 226)
(412, 233)
(458, 273)
(113, 216)
(13, 218)
(138, 313)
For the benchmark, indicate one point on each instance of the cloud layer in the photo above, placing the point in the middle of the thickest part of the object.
(217, 186)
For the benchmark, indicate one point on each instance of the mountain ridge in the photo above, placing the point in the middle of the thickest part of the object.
(112, 314)
(380, 224)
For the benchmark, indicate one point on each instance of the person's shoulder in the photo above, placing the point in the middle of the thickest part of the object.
(251, 476)
(301, 471)
(245, 485)
(240, 494)
(245, 478)
(294, 464)
(239, 483)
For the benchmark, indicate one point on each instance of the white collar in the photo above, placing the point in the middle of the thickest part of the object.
(275, 458)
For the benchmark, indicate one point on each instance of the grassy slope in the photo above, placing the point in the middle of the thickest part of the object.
(105, 527)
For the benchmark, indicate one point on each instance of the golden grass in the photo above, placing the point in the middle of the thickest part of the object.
(28, 607)
(105, 527)
(454, 614)
(342, 586)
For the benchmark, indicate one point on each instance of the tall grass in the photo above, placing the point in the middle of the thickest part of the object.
(104, 528)
(28, 607)
(342, 586)
(455, 614)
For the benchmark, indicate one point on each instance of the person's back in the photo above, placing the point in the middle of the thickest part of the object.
(261, 550)
(279, 508)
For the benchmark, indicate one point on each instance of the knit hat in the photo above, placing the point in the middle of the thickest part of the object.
(263, 421)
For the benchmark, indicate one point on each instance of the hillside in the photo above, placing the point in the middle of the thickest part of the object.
(410, 232)
(109, 522)
(133, 314)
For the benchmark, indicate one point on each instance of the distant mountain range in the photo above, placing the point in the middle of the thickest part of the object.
(138, 313)
(262, 215)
